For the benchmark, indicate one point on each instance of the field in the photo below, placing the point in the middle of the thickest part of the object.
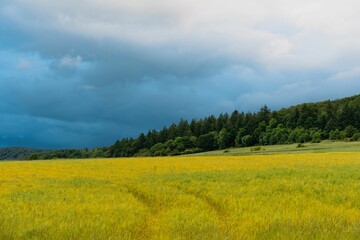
(323, 147)
(289, 196)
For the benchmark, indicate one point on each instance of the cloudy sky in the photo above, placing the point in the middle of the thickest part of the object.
(84, 73)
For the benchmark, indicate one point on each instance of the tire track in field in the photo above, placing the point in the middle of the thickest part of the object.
(149, 204)
(143, 198)
(220, 212)
(155, 210)
(213, 205)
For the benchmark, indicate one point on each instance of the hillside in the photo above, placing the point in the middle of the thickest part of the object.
(14, 153)
(307, 122)
(303, 123)
(325, 146)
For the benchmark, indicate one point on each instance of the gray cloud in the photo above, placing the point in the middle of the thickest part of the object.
(82, 74)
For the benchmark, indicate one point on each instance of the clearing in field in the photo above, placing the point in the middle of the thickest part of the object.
(302, 196)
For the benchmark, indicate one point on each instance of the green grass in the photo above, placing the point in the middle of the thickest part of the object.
(323, 147)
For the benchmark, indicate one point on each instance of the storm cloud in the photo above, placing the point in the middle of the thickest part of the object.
(85, 73)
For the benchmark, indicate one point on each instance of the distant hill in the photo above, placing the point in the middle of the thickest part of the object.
(308, 122)
(337, 120)
(16, 153)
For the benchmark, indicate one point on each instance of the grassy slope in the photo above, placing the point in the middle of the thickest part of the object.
(325, 146)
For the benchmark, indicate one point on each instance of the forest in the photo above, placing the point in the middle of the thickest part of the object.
(308, 122)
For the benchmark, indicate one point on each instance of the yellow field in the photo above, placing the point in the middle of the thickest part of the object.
(303, 196)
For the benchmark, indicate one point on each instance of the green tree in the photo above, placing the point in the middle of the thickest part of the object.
(349, 131)
(157, 150)
(246, 140)
(208, 142)
(316, 138)
(223, 139)
(34, 156)
(264, 114)
(240, 134)
(334, 135)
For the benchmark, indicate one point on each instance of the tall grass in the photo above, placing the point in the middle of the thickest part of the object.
(304, 196)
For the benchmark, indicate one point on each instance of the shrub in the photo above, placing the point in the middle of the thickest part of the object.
(246, 140)
(34, 156)
(334, 135)
(256, 148)
(192, 150)
(316, 138)
(355, 137)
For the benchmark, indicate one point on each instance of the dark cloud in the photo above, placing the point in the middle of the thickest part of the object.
(83, 76)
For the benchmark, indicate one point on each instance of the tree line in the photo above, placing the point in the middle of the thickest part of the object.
(308, 122)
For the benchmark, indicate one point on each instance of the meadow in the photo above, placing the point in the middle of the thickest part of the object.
(325, 146)
(280, 196)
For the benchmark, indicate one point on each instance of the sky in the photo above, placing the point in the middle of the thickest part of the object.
(85, 73)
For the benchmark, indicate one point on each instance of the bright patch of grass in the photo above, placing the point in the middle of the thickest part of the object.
(322, 147)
